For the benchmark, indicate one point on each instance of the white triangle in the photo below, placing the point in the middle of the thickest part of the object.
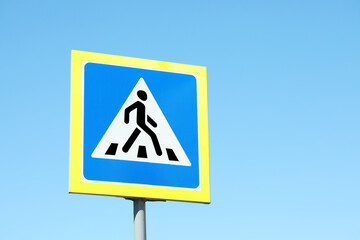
(119, 132)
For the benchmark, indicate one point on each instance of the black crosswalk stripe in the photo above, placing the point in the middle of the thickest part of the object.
(142, 152)
(171, 155)
(112, 149)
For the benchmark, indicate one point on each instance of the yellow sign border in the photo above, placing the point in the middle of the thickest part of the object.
(76, 128)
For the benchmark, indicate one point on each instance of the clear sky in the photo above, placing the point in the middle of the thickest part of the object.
(283, 86)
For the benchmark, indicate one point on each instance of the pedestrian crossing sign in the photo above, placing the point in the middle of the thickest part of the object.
(139, 128)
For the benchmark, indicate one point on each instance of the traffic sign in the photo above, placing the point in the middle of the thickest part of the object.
(139, 128)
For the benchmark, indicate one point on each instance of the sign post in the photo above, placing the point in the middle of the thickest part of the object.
(139, 219)
(139, 130)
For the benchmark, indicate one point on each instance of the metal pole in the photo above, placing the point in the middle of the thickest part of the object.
(139, 219)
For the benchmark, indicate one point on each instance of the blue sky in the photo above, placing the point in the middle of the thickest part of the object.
(283, 86)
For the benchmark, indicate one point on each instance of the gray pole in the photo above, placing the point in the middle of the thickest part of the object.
(139, 219)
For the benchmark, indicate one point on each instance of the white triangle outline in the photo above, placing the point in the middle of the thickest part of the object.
(118, 133)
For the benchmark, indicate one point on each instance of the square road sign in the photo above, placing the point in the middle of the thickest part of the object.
(139, 128)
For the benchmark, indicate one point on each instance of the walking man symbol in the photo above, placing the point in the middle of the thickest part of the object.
(141, 118)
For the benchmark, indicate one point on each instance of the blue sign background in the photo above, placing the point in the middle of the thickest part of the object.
(106, 87)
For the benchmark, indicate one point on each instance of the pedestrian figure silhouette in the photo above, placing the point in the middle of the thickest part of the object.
(141, 119)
